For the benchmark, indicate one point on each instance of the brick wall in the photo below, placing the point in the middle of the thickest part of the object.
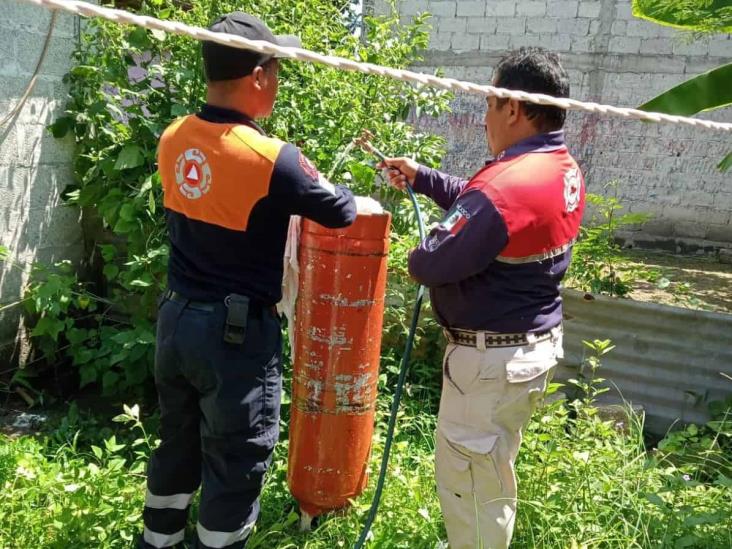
(613, 58)
(34, 167)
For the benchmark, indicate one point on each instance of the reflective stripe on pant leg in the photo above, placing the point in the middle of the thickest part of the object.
(159, 540)
(174, 501)
(216, 540)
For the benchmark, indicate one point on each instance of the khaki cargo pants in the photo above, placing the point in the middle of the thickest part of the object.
(488, 397)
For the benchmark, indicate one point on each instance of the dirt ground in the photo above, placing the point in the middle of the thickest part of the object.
(684, 281)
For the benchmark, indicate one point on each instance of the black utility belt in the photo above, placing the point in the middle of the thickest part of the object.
(471, 338)
(238, 309)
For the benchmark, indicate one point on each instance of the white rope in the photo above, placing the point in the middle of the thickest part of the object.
(120, 16)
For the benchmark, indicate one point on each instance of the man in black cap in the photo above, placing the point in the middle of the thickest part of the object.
(229, 192)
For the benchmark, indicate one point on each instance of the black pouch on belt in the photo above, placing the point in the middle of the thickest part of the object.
(236, 318)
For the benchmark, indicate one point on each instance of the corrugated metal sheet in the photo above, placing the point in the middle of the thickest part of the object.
(667, 359)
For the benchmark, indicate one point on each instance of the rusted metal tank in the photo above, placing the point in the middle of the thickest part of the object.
(338, 325)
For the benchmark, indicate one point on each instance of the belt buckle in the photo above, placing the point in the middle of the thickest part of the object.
(481, 341)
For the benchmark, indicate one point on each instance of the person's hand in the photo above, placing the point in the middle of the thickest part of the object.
(400, 171)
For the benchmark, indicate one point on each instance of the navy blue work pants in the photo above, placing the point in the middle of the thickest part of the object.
(220, 409)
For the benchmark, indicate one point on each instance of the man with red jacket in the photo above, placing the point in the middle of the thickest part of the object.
(494, 266)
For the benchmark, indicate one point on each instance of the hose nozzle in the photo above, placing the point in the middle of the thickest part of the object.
(364, 142)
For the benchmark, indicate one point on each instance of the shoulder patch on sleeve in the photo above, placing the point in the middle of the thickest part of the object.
(307, 166)
(312, 172)
(456, 219)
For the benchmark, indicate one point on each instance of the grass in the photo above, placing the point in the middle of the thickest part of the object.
(583, 483)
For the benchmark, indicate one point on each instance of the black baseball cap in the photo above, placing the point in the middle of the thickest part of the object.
(228, 63)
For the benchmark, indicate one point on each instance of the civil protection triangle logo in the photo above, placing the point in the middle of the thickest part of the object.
(193, 174)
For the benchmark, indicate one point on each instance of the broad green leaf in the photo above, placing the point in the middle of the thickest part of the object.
(110, 271)
(48, 326)
(77, 336)
(129, 157)
(692, 15)
(655, 499)
(128, 212)
(138, 38)
(83, 357)
(87, 374)
(708, 91)
(109, 380)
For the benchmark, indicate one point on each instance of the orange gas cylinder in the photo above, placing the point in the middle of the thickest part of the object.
(339, 316)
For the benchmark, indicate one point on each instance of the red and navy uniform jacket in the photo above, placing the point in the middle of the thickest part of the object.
(229, 192)
(496, 260)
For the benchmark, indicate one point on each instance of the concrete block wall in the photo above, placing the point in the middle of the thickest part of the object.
(34, 167)
(612, 57)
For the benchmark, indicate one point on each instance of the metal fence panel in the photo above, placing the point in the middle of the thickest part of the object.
(668, 359)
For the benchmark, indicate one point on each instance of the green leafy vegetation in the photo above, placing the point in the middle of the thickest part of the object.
(583, 482)
(597, 255)
(128, 84)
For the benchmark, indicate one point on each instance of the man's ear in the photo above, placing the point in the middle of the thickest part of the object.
(258, 77)
(514, 107)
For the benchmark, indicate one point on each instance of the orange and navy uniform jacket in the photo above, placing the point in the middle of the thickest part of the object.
(496, 260)
(229, 192)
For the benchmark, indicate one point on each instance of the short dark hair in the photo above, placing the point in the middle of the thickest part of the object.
(535, 70)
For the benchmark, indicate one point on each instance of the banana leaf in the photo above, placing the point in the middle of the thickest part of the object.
(708, 91)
